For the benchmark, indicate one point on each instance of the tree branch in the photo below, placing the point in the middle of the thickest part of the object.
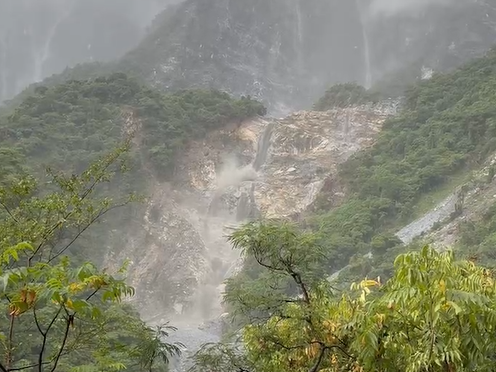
(45, 335)
(297, 278)
(64, 340)
(317, 364)
(82, 197)
(88, 225)
(8, 357)
(8, 211)
(32, 365)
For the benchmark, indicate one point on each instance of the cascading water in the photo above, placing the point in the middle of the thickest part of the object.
(3, 69)
(201, 324)
(366, 45)
(263, 147)
(299, 33)
(41, 56)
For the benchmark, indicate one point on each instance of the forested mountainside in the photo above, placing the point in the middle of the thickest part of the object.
(73, 128)
(155, 176)
(444, 128)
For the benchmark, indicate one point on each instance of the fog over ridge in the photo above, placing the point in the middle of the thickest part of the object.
(394, 7)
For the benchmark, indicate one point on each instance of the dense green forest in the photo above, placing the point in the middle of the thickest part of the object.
(75, 121)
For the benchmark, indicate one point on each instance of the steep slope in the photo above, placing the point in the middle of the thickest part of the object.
(69, 125)
(288, 52)
(445, 131)
(416, 38)
(470, 226)
(265, 49)
(275, 168)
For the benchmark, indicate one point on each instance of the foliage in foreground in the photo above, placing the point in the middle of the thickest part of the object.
(436, 313)
(56, 315)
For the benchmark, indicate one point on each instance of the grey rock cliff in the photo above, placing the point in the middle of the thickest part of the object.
(287, 52)
(271, 167)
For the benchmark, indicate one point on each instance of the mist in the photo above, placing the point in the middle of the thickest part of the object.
(41, 38)
(395, 7)
(232, 174)
(284, 53)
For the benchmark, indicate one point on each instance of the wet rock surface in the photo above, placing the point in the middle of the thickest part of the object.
(271, 167)
(288, 52)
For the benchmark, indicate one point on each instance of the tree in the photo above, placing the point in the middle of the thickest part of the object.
(435, 314)
(153, 351)
(292, 320)
(56, 315)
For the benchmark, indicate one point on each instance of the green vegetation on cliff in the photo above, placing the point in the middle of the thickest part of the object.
(447, 126)
(71, 123)
(59, 310)
(345, 95)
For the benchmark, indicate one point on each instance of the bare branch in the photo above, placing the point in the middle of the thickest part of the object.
(10, 343)
(317, 364)
(88, 225)
(64, 340)
(45, 335)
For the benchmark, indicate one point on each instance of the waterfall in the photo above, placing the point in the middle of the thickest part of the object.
(246, 209)
(299, 32)
(299, 21)
(263, 147)
(201, 323)
(366, 46)
(41, 58)
(3, 70)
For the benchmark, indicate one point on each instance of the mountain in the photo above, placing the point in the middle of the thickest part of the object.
(367, 174)
(268, 167)
(287, 53)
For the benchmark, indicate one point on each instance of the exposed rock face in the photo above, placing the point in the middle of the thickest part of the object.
(468, 202)
(284, 52)
(478, 195)
(287, 52)
(306, 149)
(438, 214)
(265, 166)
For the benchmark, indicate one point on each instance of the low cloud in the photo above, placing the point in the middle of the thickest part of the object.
(393, 7)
